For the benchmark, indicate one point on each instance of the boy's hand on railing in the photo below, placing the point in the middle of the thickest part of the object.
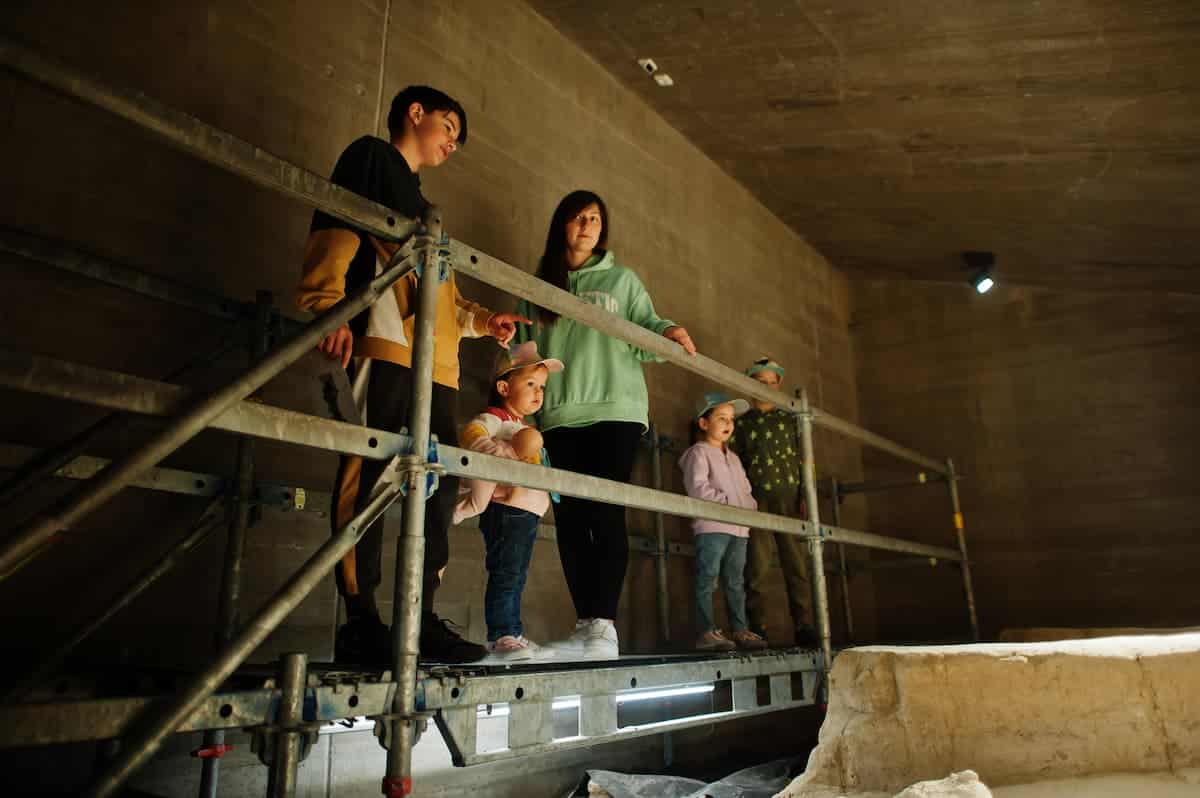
(503, 326)
(680, 336)
(338, 345)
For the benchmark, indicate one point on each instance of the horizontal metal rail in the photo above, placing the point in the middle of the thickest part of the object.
(288, 499)
(52, 723)
(51, 377)
(499, 274)
(242, 158)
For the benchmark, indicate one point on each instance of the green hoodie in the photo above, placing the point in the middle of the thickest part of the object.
(603, 378)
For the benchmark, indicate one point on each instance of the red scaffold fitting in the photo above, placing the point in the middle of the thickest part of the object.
(212, 751)
(397, 788)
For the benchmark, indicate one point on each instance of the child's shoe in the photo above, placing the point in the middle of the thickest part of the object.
(507, 648)
(571, 646)
(539, 652)
(748, 640)
(713, 640)
(601, 640)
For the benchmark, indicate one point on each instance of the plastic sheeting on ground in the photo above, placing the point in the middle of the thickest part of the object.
(760, 781)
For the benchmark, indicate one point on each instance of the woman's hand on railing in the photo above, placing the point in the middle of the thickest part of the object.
(680, 336)
(338, 345)
(503, 326)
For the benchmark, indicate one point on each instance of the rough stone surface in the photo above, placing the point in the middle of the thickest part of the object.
(1015, 714)
(1043, 634)
(957, 785)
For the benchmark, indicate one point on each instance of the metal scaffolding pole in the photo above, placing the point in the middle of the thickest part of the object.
(161, 721)
(33, 538)
(229, 599)
(961, 535)
(843, 577)
(662, 594)
(283, 778)
(815, 547)
(410, 554)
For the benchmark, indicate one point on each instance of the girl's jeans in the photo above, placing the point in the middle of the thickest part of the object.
(724, 555)
(508, 535)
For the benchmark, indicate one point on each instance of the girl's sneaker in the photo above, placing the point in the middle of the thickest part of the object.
(509, 649)
(572, 645)
(713, 640)
(601, 641)
(749, 640)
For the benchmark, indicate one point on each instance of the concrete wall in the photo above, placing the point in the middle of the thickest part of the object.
(302, 80)
(1073, 417)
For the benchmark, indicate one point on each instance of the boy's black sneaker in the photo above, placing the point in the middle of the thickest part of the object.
(807, 637)
(363, 641)
(440, 643)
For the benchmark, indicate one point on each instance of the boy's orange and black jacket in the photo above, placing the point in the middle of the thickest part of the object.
(339, 258)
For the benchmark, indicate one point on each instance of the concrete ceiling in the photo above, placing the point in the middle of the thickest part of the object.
(1062, 135)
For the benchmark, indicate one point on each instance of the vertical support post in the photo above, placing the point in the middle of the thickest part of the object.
(293, 678)
(835, 489)
(961, 534)
(235, 544)
(815, 545)
(660, 536)
(410, 557)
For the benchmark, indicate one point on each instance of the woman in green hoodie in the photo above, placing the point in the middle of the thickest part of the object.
(593, 416)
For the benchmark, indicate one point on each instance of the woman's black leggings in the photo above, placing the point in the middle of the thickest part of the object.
(592, 542)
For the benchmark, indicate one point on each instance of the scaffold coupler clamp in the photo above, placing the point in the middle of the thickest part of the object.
(427, 250)
(264, 740)
(418, 720)
(409, 466)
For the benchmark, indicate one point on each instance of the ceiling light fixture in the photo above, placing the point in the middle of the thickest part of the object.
(980, 264)
(650, 68)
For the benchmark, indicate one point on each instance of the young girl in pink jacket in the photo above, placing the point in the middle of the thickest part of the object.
(714, 473)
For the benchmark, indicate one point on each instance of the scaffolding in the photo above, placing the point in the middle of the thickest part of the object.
(285, 710)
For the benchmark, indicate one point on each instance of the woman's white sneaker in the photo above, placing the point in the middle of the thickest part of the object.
(601, 641)
(573, 644)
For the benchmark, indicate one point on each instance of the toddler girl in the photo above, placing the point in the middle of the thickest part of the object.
(714, 473)
(510, 514)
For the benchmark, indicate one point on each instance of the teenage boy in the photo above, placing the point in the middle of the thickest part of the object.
(426, 127)
(766, 440)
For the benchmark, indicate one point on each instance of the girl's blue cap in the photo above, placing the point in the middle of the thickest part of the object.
(713, 398)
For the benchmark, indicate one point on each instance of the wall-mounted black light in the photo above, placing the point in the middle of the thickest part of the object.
(980, 265)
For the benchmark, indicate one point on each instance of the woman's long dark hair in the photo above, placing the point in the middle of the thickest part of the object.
(553, 265)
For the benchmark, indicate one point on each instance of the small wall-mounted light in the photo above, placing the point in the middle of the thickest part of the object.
(980, 264)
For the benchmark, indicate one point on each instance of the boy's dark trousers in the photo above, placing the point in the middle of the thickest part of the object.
(793, 559)
(508, 536)
(389, 402)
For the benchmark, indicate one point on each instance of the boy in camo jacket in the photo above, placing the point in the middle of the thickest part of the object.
(767, 441)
